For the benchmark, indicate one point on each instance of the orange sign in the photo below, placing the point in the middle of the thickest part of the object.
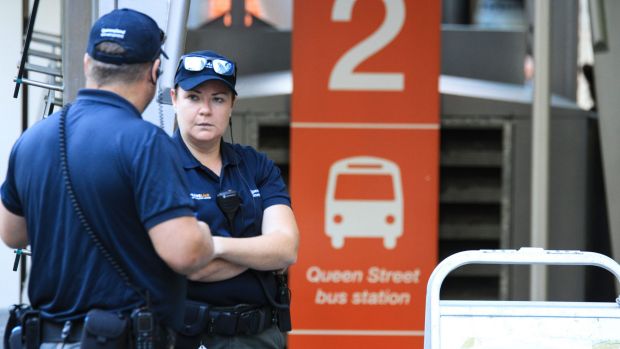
(366, 61)
(364, 170)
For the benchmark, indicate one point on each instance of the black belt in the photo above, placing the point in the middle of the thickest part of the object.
(201, 318)
(56, 332)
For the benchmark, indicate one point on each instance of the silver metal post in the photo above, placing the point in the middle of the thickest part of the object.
(540, 146)
(599, 26)
(94, 11)
(76, 25)
(237, 11)
(175, 43)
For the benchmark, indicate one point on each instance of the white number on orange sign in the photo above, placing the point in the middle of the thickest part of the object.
(343, 76)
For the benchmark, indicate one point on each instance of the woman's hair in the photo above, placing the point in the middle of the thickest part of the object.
(107, 73)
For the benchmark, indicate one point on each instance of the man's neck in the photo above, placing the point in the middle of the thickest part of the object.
(136, 94)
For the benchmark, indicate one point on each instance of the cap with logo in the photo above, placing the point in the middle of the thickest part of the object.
(137, 33)
(197, 67)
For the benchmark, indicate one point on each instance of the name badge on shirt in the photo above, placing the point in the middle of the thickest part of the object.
(204, 196)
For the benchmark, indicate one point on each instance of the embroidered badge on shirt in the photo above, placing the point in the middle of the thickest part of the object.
(255, 193)
(204, 196)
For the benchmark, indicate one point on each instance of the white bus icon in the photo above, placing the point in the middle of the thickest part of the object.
(364, 200)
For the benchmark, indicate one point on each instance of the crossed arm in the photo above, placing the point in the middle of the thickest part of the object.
(276, 248)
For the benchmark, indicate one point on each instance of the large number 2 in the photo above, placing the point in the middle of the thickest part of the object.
(343, 76)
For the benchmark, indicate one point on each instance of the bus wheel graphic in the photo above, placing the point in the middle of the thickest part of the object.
(337, 242)
(389, 242)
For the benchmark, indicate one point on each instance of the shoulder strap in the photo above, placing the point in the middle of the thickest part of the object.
(78, 209)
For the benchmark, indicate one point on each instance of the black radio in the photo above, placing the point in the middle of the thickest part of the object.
(143, 323)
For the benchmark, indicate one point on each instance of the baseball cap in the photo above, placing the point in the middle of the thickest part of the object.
(136, 32)
(200, 66)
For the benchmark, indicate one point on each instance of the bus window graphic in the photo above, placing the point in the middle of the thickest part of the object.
(364, 200)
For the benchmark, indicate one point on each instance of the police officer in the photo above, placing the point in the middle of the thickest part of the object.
(123, 174)
(236, 300)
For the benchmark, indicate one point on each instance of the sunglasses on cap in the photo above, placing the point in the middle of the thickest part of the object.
(199, 63)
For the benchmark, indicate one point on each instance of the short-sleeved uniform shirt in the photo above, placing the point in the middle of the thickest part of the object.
(127, 178)
(259, 184)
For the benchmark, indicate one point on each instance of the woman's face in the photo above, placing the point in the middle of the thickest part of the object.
(204, 112)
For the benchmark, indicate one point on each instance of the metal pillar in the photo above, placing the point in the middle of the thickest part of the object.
(174, 46)
(540, 146)
(606, 40)
(75, 29)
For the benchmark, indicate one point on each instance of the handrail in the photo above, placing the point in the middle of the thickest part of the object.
(39, 84)
(523, 256)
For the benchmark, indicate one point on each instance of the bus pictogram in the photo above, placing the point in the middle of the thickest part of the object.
(364, 199)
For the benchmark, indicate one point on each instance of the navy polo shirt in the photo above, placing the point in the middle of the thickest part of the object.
(260, 185)
(127, 178)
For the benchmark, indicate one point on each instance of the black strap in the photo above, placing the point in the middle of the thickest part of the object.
(268, 295)
(78, 209)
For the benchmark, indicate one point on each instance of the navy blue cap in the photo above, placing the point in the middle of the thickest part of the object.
(136, 32)
(188, 80)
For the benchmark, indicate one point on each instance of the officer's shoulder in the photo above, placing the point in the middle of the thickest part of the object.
(249, 154)
(245, 151)
(40, 131)
(48, 124)
(145, 130)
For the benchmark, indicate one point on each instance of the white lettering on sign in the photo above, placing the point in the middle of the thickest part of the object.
(365, 296)
(374, 275)
(323, 297)
(344, 76)
(315, 275)
(382, 297)
(384, 276)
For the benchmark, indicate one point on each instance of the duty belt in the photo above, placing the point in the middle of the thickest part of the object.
(201, 318)
(56, 332)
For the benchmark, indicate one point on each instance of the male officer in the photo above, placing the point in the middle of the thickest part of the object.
(125, 178)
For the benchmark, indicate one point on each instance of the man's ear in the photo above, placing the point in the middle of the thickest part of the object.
(86, 62)
(156, 71)
(159, 69)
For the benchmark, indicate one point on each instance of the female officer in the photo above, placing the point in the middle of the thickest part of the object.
(235, 301)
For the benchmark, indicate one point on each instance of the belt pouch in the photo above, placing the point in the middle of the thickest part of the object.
(284, 298)
(104, 329)
(195, 318)
(15, 315)
(252, 322)
(15, 339)
(223, 323)
(284, 319)
(32, 329)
